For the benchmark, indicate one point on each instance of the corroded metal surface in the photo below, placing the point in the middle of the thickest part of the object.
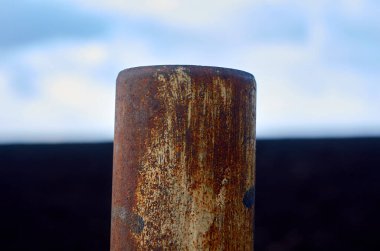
(184, 159)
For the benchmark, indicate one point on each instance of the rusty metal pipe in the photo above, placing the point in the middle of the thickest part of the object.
(184, 159)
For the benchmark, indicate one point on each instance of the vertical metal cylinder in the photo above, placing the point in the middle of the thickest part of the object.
(184, 159)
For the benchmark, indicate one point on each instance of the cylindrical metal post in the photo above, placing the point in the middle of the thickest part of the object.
(184, 159)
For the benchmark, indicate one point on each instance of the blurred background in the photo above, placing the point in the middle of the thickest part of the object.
(316, 64)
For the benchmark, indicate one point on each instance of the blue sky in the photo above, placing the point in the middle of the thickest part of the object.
(316, 62)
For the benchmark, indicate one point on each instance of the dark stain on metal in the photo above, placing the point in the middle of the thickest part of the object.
(137, 223)
(133, 221)
(249, 197)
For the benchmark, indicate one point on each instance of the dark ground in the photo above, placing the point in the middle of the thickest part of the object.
(310, 195)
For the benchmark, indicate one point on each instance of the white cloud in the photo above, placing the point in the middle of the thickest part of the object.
(188, 14)
(68, 99)
(73, 85)
(300, 91)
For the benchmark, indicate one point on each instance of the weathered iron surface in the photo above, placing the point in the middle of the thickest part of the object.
(184, 159)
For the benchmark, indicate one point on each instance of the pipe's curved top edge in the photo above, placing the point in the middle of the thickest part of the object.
(137, 69)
